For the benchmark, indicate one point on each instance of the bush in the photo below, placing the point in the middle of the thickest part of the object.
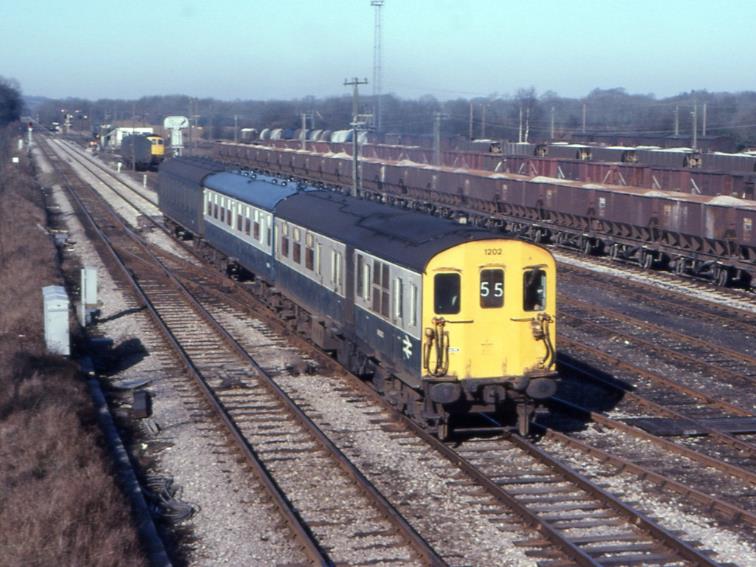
(59, 501)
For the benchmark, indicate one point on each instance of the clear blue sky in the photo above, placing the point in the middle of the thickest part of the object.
(293, 48)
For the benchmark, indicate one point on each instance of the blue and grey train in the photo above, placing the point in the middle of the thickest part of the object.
(444, 319)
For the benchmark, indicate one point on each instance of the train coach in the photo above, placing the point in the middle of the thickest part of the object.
(446, 320)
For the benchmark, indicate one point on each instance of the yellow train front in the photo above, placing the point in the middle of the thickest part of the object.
(157, 149)
(488, 341)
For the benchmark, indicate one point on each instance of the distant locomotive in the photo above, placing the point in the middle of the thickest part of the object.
(444, 319)
(142, 152)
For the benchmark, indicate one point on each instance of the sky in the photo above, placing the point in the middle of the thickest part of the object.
(264, 49)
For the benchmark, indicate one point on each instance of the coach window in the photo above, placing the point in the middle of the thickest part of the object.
(446, 289)
(534, 290)
(229, 212)
(318, 259)
(398, 299)
(209, 206)
(256, 226)
(239, 222)
(309, 251)
(363, 278)
(335, 269)
(413, 305)
(215, 210)
(297, 248)
(284, 239)
(491, 288)
(381, 286)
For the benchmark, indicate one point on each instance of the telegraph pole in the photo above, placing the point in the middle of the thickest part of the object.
(483, 121)
(191, 119)
(470, 124)
(377, 65)
(703, 127)
(236, 128)
(552, 122)
(584, 113)
(355, 83)
(519, 128)
(695, 126)
(303, 135)
(677, 120)
(437, 117)
(527, 124)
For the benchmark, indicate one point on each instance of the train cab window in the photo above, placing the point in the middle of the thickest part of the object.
(446, 290)
(534, 290)
(491, 288)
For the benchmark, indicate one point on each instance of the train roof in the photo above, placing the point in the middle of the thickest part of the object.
(258, 190)
(400, 236)
(191, 170)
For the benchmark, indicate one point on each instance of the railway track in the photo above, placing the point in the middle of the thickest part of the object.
(231, 385)
(706, 460)
(329, 505)
(590, 507)
(713, 368)
(665, 300)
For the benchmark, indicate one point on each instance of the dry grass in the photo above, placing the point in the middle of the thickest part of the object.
(59, 502)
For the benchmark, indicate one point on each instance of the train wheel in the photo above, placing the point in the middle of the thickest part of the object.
(587, 248)
(443, 431)
(614, 251)
(723, 277)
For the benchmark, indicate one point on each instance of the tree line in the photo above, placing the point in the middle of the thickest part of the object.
(11, 102)
(526, 115)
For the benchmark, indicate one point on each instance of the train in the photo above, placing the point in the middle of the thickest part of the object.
(142, 152)
(448, 321)
(707, 237)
